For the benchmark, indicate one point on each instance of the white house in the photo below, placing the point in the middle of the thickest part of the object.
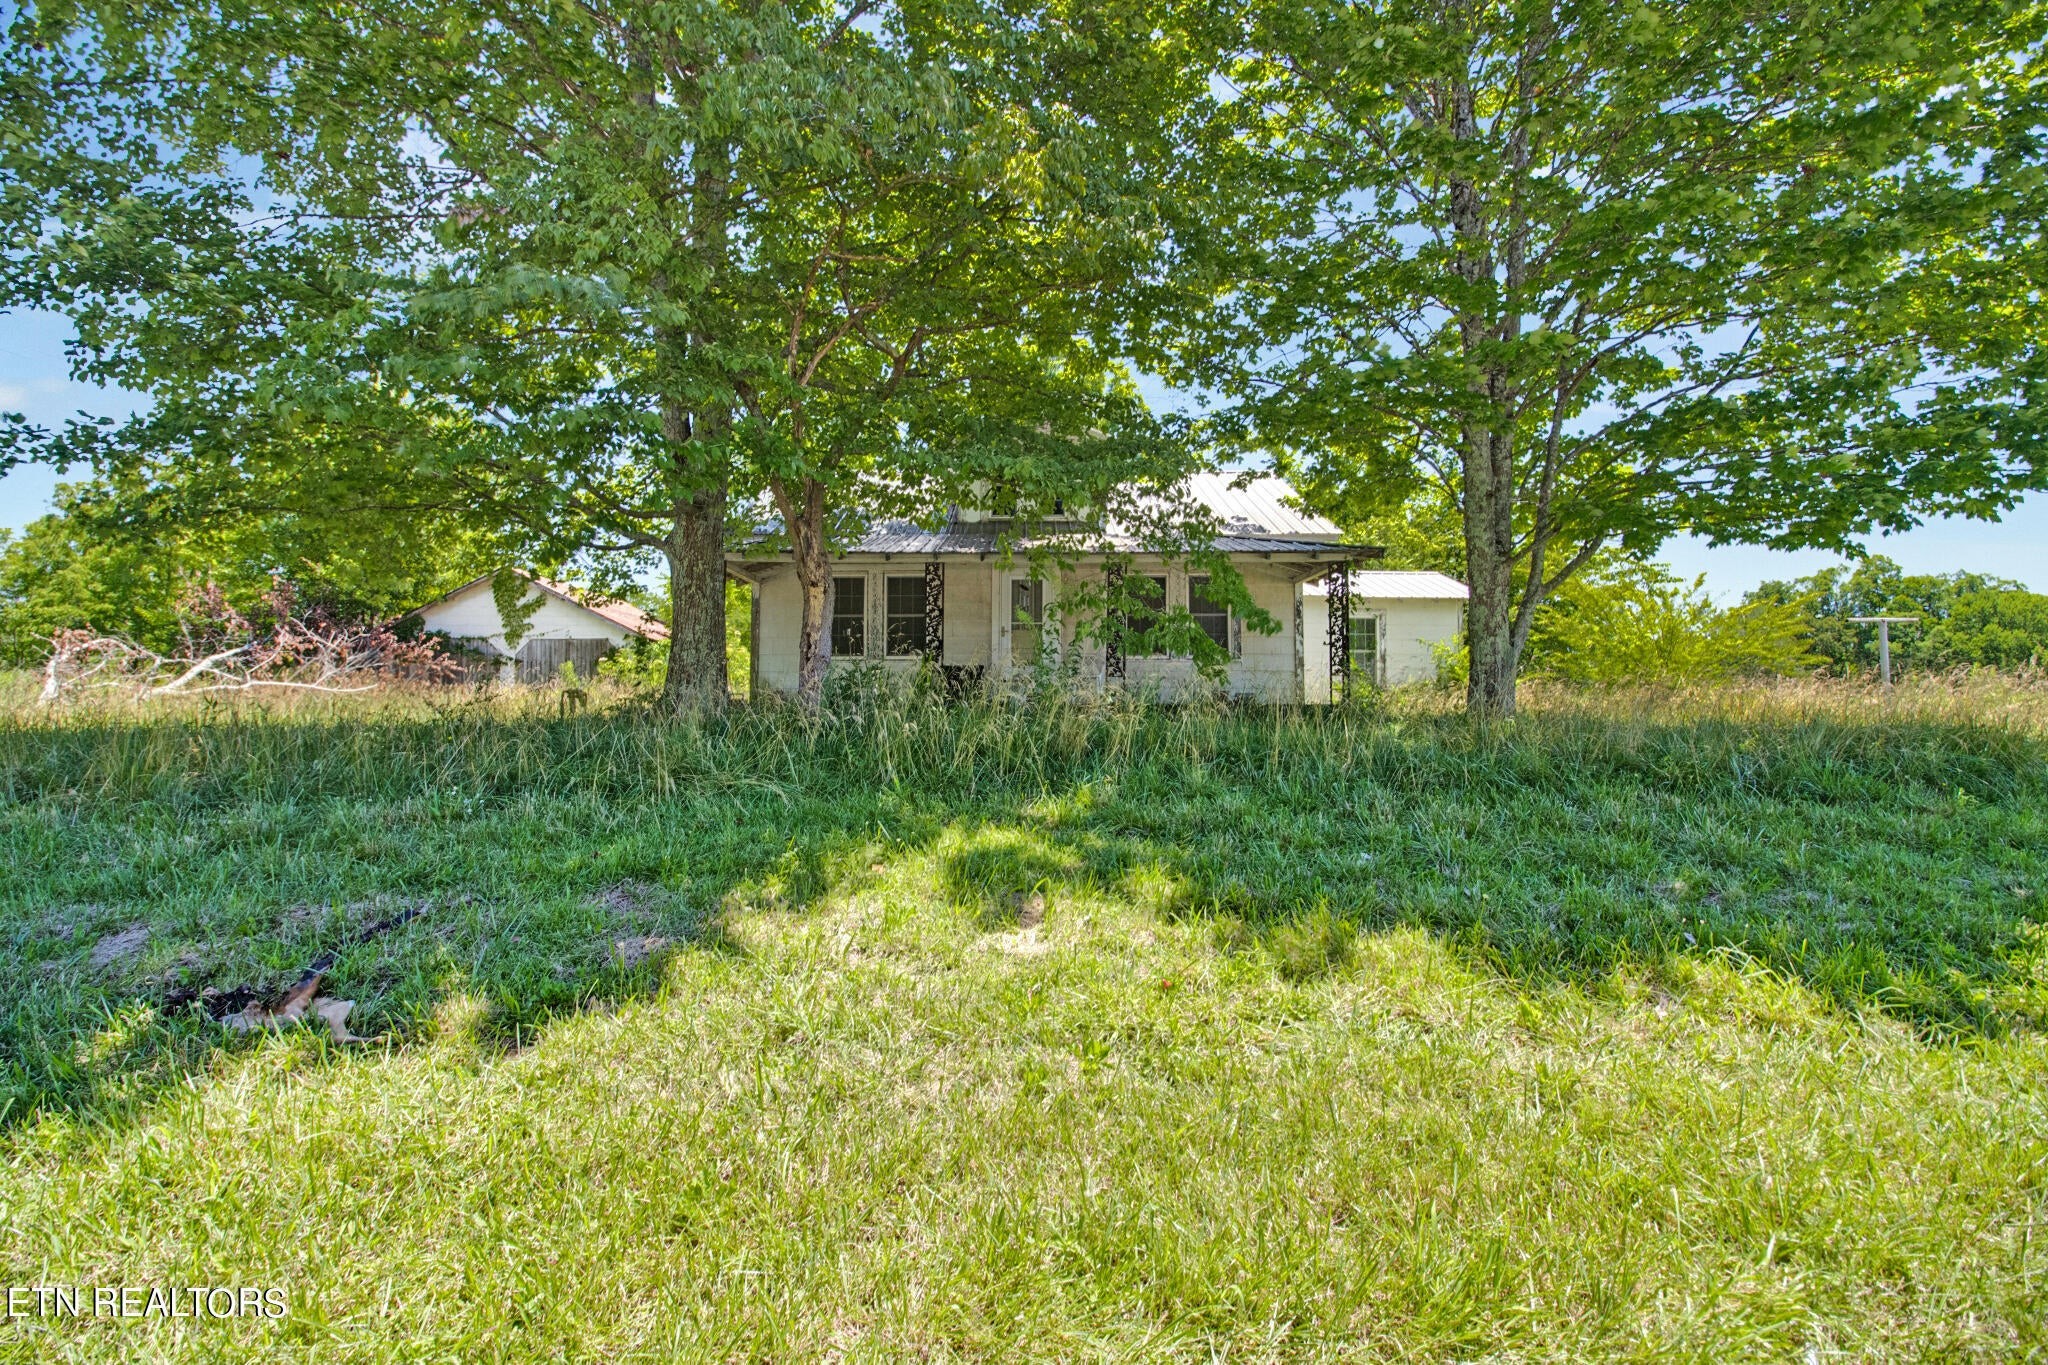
(567, 626)
(904, 593)
(1398, 620)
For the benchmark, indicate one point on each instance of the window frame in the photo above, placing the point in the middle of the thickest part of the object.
(858, 619)
(1027, 626)
(1223, 609)
(1151, 649)
(1378, 621)
(890, 616)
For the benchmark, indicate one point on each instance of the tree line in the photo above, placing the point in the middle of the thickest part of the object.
(476, 278)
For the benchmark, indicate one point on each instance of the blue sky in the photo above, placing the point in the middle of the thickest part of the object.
(34, 381)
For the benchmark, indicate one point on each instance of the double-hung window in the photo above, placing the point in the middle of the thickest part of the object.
(903, 626)
(1212, 616)
(1149, 590)
(1365, 647)
(1027, 620)
(849, 618)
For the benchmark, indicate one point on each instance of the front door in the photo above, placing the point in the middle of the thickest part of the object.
(1368, 647)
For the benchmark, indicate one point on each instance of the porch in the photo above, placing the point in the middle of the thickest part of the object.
(978, 617)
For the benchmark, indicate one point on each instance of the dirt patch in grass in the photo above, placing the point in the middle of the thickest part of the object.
(118, 949)
(631, 952)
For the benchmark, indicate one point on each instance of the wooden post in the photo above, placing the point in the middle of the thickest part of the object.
(1884, 641)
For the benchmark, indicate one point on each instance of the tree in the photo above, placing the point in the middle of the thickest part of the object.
(1998, 629)
(53, 578)
(118, 557)
(1965, 618)
(934, 310)
(1628, 621)
(1605, 273)
(594, 269)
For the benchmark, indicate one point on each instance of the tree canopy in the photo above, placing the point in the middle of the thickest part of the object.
(1965, 618)
(593, 270)
(1605, 273)
(608, 277)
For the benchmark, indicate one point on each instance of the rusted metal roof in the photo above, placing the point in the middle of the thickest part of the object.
(620, 613)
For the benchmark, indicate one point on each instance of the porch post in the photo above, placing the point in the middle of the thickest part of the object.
(1338, 632)
(934, 610)
(1113, 636)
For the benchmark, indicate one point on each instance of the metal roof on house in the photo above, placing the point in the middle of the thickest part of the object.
(1255, 519)
(1260, 508)
(988, 537)
(908, 538)
(1401, 583)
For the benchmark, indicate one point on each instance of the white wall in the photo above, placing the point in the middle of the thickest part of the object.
(1414, 627)
(1263, 668)
(473, 615)
(778, 621)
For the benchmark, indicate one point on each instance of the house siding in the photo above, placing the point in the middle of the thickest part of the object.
(473, 615)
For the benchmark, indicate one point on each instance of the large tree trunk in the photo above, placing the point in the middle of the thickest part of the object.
(696, 575)
(1488, 455)
(1489, 568)
(696, 434)
(803, 513)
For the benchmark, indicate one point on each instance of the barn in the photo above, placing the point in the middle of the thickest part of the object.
(565, 625)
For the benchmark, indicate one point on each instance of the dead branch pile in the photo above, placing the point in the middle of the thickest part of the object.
(221, 649)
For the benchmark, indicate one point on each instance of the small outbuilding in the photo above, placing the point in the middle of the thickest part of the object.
(561, 624)
(1399, 621)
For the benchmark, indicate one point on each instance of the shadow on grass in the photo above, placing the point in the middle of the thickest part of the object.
(561, 860)
(110, 1004)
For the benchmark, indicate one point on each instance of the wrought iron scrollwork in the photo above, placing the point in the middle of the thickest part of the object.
(934, 608)
(1338, 634)
(1119, 622)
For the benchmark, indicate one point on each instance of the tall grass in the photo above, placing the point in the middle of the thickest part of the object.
(1884, 845)
(1658, 1024)
(1814, 737)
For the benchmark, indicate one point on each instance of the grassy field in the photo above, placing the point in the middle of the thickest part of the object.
(1656, 1025)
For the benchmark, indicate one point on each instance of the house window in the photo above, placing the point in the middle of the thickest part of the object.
(1212, 616)
(849, 617)
(903, 627)
(1027, 620)
(1365, 648)
(1150, 592)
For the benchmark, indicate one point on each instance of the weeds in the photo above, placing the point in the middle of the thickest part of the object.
(1680, 1023)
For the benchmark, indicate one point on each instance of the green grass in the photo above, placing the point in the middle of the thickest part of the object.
(1699, 1025)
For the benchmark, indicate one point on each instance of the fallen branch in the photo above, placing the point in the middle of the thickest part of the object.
(225, 653)
(244, 1008)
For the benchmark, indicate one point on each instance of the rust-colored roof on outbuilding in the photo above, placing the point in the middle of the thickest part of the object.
(619, 612)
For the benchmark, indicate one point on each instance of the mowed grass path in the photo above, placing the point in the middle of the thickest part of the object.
(1701, 1028)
